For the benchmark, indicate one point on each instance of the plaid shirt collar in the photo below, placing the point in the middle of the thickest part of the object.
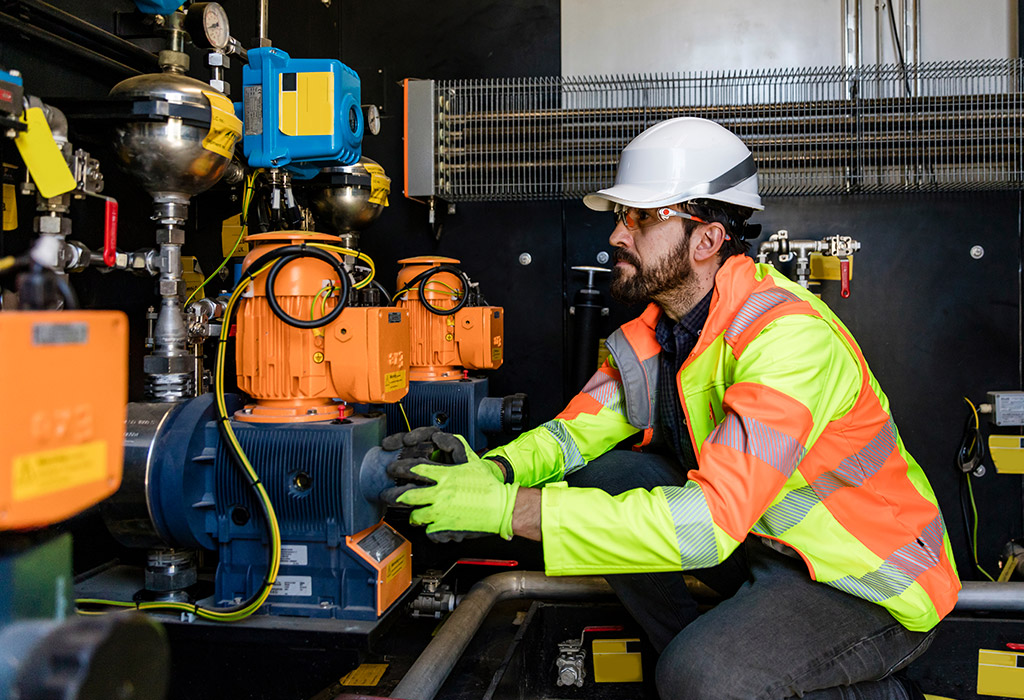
(671, 335)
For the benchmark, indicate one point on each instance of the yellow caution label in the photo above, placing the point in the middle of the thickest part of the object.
(1001, 673)
(380, 184)
(225, 127)
(394, 568)
(10, 207)
(307, 103)
(230, 230)
(366, 674)
(394, 380)
(496, 355)
(52, 471)
(42, 155)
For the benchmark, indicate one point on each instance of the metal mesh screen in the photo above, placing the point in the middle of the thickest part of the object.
(934, 126)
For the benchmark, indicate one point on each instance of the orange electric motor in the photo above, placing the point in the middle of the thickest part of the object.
(294, 373)
(448, 331)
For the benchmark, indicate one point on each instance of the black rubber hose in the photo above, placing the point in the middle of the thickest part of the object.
(427, 275)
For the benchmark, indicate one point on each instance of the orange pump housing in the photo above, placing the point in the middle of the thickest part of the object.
(63, 393)
(471, 338)
(295, 374)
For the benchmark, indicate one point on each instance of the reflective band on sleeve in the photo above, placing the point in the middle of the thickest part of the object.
(752, 437)
(858, 468)
(785, 514)
(695, 532)
(571, 457)
(606, 390)
(756, 305)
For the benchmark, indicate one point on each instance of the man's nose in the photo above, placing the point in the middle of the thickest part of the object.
(620, 236)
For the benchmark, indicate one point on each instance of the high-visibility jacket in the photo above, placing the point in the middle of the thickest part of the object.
(794, 443)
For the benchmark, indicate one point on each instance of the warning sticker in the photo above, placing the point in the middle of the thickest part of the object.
(298, 586)
(294, 555)
(394, 380)
(366, 674)
(495, 355)
(43, 473)
(395, 568)
(225, 127)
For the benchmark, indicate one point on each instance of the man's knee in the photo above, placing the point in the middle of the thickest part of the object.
(690, 669)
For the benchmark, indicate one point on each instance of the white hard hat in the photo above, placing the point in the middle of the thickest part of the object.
(678, 160)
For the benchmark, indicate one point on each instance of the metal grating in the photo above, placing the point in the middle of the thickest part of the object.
(931, 127)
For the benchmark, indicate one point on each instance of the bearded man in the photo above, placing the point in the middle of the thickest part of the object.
(766, 461)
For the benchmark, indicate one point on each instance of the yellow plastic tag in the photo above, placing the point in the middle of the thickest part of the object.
(42, 156)
(380, 184)
(43, 473)
(366, 674)
(1007, 453)
(1000, 673)
(10, 208)
(225, 127)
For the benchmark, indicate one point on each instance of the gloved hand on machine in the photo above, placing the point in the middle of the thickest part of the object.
(455, 493)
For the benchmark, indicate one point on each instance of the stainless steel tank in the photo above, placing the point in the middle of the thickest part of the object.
(347, 199)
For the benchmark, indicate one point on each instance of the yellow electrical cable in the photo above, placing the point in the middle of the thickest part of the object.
(402, 409)
(272, 524)
(246, 200)
(7, 263)
(970, 493)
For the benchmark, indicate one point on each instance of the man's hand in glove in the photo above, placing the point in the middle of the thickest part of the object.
(456, 494)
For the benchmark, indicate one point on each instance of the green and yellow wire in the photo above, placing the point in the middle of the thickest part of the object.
(970, 493)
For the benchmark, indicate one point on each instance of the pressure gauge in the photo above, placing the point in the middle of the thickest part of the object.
(207, 25)
(373, 119)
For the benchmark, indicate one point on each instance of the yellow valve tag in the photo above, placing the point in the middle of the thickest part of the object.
(42, 473)
(366, 674)
(10, 208)
(826, 267)
(380, 184)
(1008, 568)
(42, 156)
(225, 127)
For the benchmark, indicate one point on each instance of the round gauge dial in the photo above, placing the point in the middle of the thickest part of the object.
(208, 25)
(373, 119)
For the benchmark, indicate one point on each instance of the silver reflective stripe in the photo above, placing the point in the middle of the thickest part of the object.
(887, 581)
(639, 380)
(754, 306)
(730, 178)
(607, 391)
(859, 467)
(695, 532)
(752, 437)
(571, 457)
(788, 512)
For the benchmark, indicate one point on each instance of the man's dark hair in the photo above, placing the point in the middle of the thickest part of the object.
(731, 216)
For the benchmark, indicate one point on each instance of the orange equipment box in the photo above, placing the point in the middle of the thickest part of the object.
(63, 392)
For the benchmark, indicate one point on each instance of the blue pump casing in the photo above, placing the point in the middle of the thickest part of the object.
(300, 111)
(315, 476)
(460, 407)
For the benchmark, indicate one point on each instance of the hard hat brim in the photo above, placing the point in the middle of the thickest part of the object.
(627, 195)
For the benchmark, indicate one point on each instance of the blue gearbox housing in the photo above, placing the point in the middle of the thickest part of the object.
(322, 478)
(299, 112)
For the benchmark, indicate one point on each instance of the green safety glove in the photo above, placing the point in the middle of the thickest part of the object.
(456, 494)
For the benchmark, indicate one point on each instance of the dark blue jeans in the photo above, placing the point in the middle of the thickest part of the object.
(777, 634)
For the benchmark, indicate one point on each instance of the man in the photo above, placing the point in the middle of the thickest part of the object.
(786, 480)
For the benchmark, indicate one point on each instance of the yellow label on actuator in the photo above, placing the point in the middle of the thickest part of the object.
(495, 355)
(43, 156)
(394, 381)
(307, 103)
(394, 568)
(225, 127)
(43, 473)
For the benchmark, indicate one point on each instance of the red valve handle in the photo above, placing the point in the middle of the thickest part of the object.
(1015, 646)
(110, 232)
(605, 628)
(844, 277)
(489, 562)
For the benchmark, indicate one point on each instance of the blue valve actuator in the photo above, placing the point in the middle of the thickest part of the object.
(157, 7)
(299, 111)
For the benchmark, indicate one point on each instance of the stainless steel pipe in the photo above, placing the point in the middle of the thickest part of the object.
(432, 667)
(991, 597)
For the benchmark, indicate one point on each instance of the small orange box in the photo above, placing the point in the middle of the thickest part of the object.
(63, 392)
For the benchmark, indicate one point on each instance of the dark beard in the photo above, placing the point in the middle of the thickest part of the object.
(645, 284)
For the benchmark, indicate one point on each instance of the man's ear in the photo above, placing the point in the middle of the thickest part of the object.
(710, 239)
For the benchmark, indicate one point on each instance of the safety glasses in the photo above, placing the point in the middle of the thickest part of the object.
(641, 219)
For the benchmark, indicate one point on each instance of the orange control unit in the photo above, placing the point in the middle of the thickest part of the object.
(295, 374)
(443, 344)
(63, 393)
